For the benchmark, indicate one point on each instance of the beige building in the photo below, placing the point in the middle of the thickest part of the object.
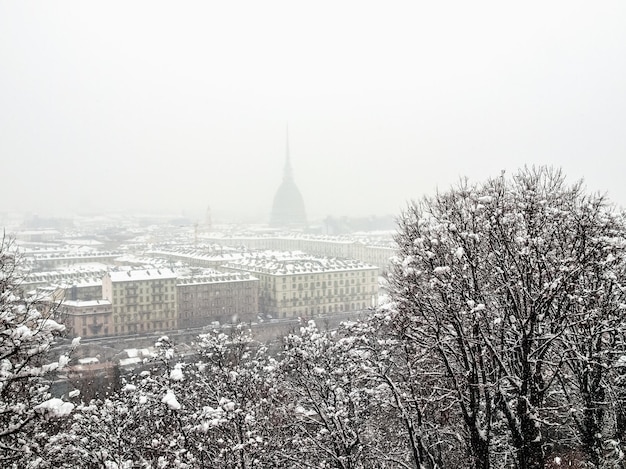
(223, 297)
(308, 287)
(142, 300)
(86, 319)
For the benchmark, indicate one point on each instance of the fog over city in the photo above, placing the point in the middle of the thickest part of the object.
(170, 107)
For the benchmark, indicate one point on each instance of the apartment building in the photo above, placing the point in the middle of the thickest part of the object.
(86, 319)
(304, 286)
(217, 297)
(142, 300)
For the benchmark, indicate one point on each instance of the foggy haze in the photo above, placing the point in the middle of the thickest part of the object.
(176, 106)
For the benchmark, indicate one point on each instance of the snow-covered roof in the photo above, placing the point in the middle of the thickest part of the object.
(130, 361)
(189, 254)
(91, 276)
(371, 239)
(297, 266)
(88, 361)
(216, 277)
(139, 275)
(86, 303)
(77, 255)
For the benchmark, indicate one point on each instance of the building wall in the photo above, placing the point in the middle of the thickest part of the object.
(87, 318)
(141, 304)
(305, 294)
(201, 303)
(312, 294)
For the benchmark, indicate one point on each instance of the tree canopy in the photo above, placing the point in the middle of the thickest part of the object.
(514, 289)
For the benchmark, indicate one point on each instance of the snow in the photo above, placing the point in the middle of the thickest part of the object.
(63, 360)
(302, 411)
(227, 404)
(170, 400)
(88, 361)
(54, 407)
(49, 325)
(22, 333)
(459, 253)
(177, 373)
(129, 361)
(149, 274)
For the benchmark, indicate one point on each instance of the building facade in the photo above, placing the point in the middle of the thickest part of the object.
(142, 300)
(217, 297)
(307, 287)
(87, 319)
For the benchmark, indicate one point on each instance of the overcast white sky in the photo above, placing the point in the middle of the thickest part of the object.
(174, 106)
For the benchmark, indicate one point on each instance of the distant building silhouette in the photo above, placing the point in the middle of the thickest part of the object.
(288, 208)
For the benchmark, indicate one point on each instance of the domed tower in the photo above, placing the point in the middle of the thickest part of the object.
(288, 208)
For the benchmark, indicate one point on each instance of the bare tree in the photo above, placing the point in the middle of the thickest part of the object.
(26, 335)
(499, 280)
(413, 429)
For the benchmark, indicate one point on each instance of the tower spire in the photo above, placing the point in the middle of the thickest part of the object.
(288, 208)
(288, 174)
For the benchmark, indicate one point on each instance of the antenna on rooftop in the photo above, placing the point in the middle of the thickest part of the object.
(207, 219)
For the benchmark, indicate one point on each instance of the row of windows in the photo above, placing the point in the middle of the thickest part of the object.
(141, 299)
(317, 300)
(147, 285)
(104, 332)
(203, 314)
(140, 318)
(95, 320)
(299, 278)
(305, 312)
(335, 292)
(335, 283)
(211, 305)
(140, 308)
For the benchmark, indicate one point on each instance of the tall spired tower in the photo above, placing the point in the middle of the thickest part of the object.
(288, 208)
